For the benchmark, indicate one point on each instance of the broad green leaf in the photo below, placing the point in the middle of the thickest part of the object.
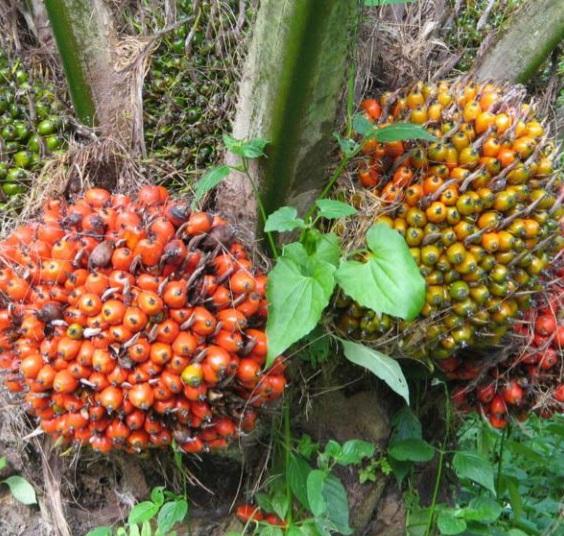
(157, 495)
(389, 133)
(482, 509)
(400, 469)
(234, 146)
(382, 366)
(100, 531)
(328, 248)
(142, 512)
(3, 462)
(323, 527)
(270, 530)
(280, 504)
(470, 465)
(315, 498)
(316, 347)
(417, 521)
(297, 473)
(512, 486)
(263, 502)
(555, 428)
(547, 507)
(254, 148)
(245, 148)
(389, 281)
(405, 425)
(310, 528)
(333, 449)
(121, 531)
(146, 530)
(516, 532)
(449, 524)
(402, 132)
(306, 446)
(297, 252)
(171, 513)
(21, 489)
(354, 451)
(377, 3)
(134, 530)
(411, 450)
(297, 295)
(527, 452)
(322, 246)
(337, 503)
(209, 181)
(295, 531)
(283, 220)
(171, 496)
(362, 125)
(348, 146)
(331, 209)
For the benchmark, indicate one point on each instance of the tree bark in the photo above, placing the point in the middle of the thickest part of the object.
(35, 15)
(533, 32)
(289, 95)
(101, 92)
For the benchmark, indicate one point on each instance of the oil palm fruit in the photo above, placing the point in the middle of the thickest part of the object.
(526, 380)
(479, 208)
(30, 128)
(189, 96)
(129, 322)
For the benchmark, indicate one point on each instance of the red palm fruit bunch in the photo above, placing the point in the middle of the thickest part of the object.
(529, 380)
(129, 322)
(478, 207)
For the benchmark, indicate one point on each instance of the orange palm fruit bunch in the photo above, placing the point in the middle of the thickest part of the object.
(130, 322)
(479, 208)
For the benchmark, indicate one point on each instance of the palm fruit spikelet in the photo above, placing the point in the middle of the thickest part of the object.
(127, 323)
(478, 207)
(525, 380)
(30, 128)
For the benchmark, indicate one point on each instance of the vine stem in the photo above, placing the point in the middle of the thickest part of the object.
(500, 460)
(263, 217)
(288, 449)
(440, 466)
(337, 173)
(435, 492)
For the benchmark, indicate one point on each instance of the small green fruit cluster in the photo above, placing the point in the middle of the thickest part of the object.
(190, 90)
(31, 127)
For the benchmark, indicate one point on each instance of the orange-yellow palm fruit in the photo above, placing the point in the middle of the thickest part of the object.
(478, 208)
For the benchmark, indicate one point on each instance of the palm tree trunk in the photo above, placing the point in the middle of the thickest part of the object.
(533, 32)
(101, 94)
(290, 91)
